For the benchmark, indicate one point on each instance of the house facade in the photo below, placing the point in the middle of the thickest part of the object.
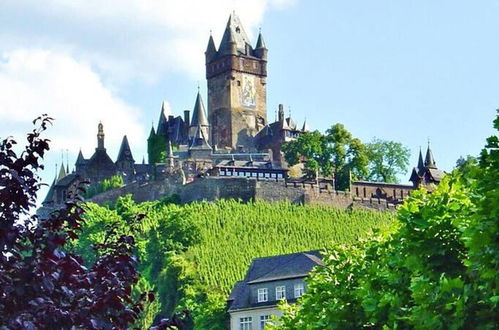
(269, 280)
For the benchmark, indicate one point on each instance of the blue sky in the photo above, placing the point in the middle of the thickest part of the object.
(398, 70)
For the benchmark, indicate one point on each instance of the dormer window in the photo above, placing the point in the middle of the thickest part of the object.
(280, 292)
(299, 290)
(263, 295)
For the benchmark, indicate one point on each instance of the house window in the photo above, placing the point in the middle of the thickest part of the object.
(280, 292)
(264, 319)
(263, 295)
(245, 323)
(299, 290)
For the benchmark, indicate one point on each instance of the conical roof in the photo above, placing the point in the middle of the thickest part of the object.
(234, 32)
(210, 49)
(260, 43)
(420, 160)
(125, 153)
(162, 122)
(62, 172)
(305, 127)
(80, 160)
(152, 133)
(199, 114)
(50, 194)
(429, 160)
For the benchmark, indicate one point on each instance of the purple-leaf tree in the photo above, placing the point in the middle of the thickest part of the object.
(41, 285)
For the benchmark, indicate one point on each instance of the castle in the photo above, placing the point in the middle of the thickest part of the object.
(233, 138)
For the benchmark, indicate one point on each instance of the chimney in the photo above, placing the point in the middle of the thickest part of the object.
(187, 118)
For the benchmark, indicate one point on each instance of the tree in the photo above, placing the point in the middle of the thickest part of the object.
(436, 269)
(314, 149)
(336, 153)
(348, 156)
(387, 159)
(41, 284)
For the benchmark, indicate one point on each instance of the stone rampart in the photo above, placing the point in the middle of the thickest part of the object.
(244, 189)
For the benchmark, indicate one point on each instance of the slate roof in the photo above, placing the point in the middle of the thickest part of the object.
(199, 141)
(125, 153)
(260, 43)
(234, 32)
(436, 174)
(281, 267)
(67, 180)
(50, 195)
(429, 160)
(199, 113)
(244, 163)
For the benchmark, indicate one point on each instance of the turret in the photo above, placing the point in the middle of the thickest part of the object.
(429, 160)
(199, 118)
(280, 115)
(260, 49)
(80, 162)
(305, 127)
(162, 122)
(420, 160)
(211, 50)
(100, 136)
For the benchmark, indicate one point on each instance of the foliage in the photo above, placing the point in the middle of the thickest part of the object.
(387, 159)
(313, 147)
(40, 283)
(335, 152)
(156, 145)
(115, 181)
(438, 270)
(193, 254)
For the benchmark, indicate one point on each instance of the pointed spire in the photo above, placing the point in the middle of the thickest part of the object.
(125, 153)
(260, 43)
(305, 127)
(49, 199)
(80, 160)
(429, 160)
(420, 160)
(152, 133)
(199, 113)
(234, 38)
(62, 172)
(162, 122)
(211, 50)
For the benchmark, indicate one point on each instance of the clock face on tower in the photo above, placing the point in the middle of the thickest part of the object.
(249, 92)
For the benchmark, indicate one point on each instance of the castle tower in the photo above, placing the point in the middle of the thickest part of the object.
(100, 137)
(125, 162)
(237, 91)
(198, 119)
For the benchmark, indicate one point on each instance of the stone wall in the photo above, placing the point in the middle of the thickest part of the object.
(245, 189)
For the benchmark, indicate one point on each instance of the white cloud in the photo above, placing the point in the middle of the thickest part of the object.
(129, 38)
(34, 82)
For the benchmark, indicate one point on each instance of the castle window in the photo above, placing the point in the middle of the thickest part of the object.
(299, 290)
(263, 295)
(356, 191)
(239, 83)
(246, 323)
(263, 320)
(364, 192)
(280, 292)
